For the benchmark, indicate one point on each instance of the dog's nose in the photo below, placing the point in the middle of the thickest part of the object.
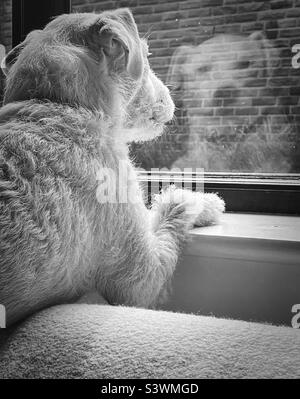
(164, 111)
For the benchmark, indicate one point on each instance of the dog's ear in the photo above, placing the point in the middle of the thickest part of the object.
(11, 58)
(175, 76)
(119, 37)
(13, 54)
(271, 52)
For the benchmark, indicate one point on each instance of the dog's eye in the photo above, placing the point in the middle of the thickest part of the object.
(203, 69)
(114, 43)
(243, 65)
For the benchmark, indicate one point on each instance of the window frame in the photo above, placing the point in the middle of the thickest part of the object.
(25, 12)
(242, 192)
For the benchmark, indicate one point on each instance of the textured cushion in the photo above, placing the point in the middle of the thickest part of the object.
(102, 341)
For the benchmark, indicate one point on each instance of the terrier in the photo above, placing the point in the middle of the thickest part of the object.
(77, 92)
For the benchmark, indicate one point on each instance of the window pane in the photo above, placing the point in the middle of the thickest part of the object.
(233, 71)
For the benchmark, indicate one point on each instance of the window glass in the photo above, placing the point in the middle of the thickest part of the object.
(233, 69)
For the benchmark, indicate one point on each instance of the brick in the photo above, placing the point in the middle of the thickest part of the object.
(152, 18)
(264, 101)
(190, 23)
(230, 29)
(266, 15)
(292, 41)
(204, 3)
(295, 91)
(293, 32)
(278, 4)
(287, 23)
(147, 2)
(252, 26)
(165, 7)
(193, 103)
(291, 100)
(254, 7)
(101, 5)
(173, 16)
(272, 35)
(215, 102)
(142, 10)
(246, 111)
(294, 72)
(235, 1)
(274, 110)
(213, 21)
(127, 3)
(257, 83)
(224, 10)
(240, 101)
(200, 112)
(271, 24)
(282, 43)
(207, 120)
(295, 12)
(169, 34)
(281, 72)
(285, 81)
(200, 12)
(224, 111)
(240, 18)
(247, 92)
(223, 93)
(275, 91)
(286, 53)
(188, 5)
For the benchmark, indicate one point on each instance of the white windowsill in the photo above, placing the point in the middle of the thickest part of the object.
(254, 226)
(247, 267)
(253, 237)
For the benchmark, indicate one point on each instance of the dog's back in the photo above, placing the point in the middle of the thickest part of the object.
(47, 177)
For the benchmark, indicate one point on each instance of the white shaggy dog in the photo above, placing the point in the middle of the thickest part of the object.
(76, 93)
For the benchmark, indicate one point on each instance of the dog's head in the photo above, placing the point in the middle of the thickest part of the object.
(96, 61)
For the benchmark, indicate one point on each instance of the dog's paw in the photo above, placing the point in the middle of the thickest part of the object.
(192, 203)
(213, 207)
(202, 209)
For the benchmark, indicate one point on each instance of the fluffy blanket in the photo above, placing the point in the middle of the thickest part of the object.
(101, 341)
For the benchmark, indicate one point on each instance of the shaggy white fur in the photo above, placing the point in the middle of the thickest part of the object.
(72, 90)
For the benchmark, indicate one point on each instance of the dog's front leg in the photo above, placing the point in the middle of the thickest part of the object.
(151, 245)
